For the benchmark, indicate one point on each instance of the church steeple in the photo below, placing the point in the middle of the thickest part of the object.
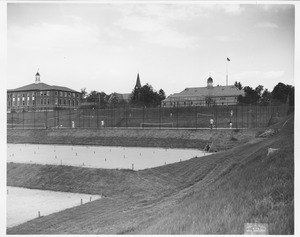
(37, 78)
(138, 82)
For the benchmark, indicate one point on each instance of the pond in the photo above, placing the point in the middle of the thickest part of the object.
(136, 158)
(27, 204)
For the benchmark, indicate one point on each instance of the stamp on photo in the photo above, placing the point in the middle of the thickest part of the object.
(255, 229)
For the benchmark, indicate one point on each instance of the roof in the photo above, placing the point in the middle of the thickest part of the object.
(41, 86)
(202, 92)
(119, 96)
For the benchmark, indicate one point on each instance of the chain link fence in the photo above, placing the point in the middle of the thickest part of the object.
(194, 117)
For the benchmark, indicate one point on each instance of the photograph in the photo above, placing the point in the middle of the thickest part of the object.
(149, 117)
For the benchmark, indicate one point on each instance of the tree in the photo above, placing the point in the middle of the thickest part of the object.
(266, 97)
(252, 96)
(83, 93)
(281, 92)
(162, 94)
(238, 85)
(98, 98)
(146, 96)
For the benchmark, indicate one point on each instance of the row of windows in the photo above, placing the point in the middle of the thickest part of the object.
(44, 93)
(42, 102)
(66, 102)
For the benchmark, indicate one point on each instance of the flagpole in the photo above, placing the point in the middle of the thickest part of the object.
(226, 71)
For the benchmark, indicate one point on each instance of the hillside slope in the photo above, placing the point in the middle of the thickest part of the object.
(207, 195)
(173, 138)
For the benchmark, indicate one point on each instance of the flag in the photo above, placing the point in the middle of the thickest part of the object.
(228, 59)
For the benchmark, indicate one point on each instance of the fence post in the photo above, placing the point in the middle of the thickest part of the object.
(46, 118)
(256, 116)
(126, 116)
(216, 117)
(160, 117)
(177, 114)
(143, 116)
(97, 116)
(23, 117)
(236, 116)
(242, 116)
(12, 119)
(196, 116)
(34, 118)
(58, 117)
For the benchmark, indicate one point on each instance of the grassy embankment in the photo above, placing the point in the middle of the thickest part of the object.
(208, 195)
(223, 139)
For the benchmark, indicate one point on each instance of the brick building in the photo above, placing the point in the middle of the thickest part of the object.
(41, 96)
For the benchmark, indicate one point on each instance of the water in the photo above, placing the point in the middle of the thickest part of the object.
(98, 156)
(26, 204)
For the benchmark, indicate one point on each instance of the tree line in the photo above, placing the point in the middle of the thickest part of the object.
(281, 94)
(146, 96)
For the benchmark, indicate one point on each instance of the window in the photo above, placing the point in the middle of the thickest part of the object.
(41, 101)
(48, 101)
(65, 94)
(74, 95)
(56, 101)
(60, 93)
(69, 93)
(60, 101)
(48, 93)
(65, 102)
(73, 103)
(28, 102)
(56, 93)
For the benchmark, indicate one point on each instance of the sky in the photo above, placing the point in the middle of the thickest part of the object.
(174, 45)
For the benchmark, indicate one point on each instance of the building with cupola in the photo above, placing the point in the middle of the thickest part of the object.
(204, 96)
(41, 96)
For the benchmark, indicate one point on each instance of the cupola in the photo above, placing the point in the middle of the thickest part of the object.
(209, 82)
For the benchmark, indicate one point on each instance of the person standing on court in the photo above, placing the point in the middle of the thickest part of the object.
(211, 123)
